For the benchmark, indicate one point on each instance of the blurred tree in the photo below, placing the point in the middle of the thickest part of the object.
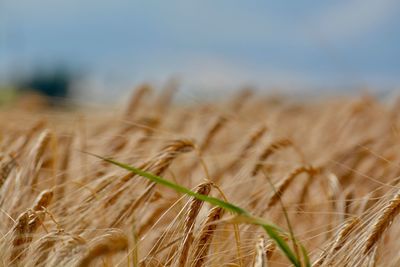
(54, 84)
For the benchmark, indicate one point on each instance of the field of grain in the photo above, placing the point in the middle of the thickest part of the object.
(323, 174)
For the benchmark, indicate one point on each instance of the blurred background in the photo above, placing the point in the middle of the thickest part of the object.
(97, 50)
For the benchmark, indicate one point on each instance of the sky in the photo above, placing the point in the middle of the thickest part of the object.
(219, 43)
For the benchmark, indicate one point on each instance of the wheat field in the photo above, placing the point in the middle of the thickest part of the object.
(324, 173)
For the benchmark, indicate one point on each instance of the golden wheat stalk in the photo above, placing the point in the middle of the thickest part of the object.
(238, 101)
(62, 177)
(341, 237)
(26, 225)
(382, 223)
(287, 181)
(157, 165)
(205, 237)
(6, 166)
(211, 133)
(190, 218)
(112, 242)
(254, 138)
(42, 249)
(136, 98)
(268, 151)
(260, 258)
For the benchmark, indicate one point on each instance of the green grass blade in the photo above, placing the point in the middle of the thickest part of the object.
(179, 188)
(270, 229)
(286, 215)
(282, 244)
(305, 256)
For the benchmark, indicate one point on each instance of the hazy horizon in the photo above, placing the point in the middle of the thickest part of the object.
(212, 44)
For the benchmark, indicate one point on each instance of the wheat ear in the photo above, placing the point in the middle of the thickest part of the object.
(112, 242)
(261, 258)
(383, 222)
(205, 236)
(194, 209)
(287, 181)
(268, 151)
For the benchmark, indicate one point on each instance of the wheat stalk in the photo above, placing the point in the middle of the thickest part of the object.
(268, 151)
(287, 181)
(205, 236)
(136, 98)
(211, 133)
(112, 242)
(26, 224)
(190, 218)
(341, 237)
(382, 223)
(260, 258)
